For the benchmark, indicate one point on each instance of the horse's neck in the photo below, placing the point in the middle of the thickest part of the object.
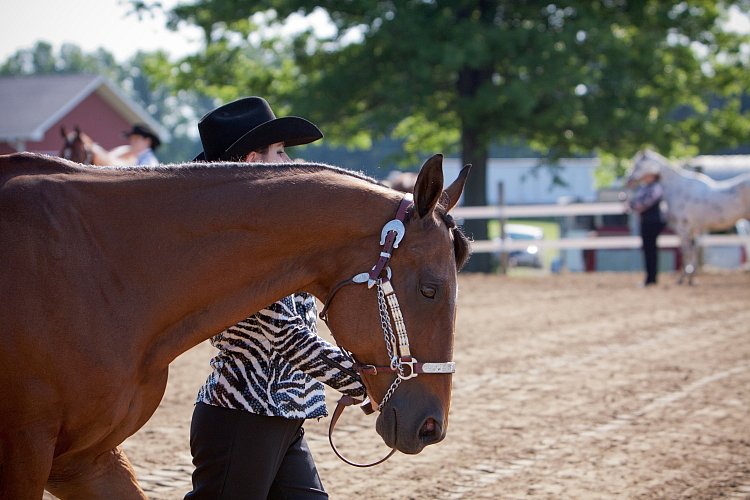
(212, 248)
(671, 175)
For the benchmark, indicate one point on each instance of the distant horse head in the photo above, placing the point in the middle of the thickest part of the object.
(76, 146)
(646, 162)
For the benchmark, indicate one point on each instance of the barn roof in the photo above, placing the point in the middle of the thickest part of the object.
(32, 104)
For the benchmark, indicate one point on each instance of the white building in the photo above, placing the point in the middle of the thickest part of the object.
(529, 181)
(720, 167)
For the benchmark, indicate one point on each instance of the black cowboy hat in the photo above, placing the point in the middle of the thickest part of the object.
(144, 131)
(244, 125)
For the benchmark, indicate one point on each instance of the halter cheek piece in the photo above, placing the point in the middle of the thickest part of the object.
(403, 364)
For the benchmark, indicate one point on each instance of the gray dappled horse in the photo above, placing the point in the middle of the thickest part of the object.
(695, 202)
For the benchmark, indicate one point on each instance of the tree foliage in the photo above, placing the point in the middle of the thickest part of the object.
(41, 58)
(570, 77)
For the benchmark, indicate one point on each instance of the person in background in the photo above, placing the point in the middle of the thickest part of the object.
(247, 435)
(142, 142)
(646, 201)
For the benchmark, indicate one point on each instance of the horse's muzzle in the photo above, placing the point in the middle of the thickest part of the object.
(409, 426)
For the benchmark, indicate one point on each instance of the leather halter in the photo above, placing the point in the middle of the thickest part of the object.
(403, 364)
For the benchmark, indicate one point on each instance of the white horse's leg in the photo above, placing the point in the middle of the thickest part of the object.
(683, 258)
(692, 263)
(687, 253)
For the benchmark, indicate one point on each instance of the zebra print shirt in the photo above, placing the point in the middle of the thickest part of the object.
(273, 363)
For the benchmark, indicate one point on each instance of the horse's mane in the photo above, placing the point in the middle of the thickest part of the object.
(651, 155)
(278, 168)
(461, 242)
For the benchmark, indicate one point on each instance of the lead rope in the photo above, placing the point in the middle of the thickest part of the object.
(343, 403)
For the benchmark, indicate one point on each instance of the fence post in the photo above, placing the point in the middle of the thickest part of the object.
(502, 220)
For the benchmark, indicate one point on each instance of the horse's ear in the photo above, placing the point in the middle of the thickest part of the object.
(78, 131)
(453, 193)
(63, 132)
(429, 185)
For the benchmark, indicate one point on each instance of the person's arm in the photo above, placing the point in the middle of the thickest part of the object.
(120, 155)
(294, 338)
(646, 197)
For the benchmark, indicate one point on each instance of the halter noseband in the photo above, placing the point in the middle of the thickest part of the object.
(403, 364)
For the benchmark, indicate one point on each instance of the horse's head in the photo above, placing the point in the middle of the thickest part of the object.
(75, 147)
(646, 162)
(414, 399)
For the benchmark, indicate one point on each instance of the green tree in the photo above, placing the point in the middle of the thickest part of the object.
(569, 77)
(41, 58)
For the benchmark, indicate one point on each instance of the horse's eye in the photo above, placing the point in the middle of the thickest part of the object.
(428, 291)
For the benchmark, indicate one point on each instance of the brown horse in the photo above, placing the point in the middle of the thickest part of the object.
(80, 148)
(75, 147)
(109, 274)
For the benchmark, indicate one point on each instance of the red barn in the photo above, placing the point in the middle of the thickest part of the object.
(33, 108)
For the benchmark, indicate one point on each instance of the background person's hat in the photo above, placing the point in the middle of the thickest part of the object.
(144, 131)
(244, 125)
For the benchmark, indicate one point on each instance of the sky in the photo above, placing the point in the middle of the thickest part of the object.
(90, 24)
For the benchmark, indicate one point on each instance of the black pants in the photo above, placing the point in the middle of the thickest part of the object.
(649, 233)
(240, 455)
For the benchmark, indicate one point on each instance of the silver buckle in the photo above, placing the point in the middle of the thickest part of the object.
(412, 371)
(393, 225)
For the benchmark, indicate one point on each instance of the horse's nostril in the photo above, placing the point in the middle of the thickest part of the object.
(430, 431)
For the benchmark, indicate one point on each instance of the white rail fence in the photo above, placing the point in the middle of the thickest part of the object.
(594, 242)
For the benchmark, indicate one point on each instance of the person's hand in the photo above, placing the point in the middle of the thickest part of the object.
(122, 155)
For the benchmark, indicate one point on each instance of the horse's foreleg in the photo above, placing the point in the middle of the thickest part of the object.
(689, 258)
(108, 476)
(687, 252)
(25, 462)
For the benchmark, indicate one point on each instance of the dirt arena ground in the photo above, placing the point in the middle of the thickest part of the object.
(570, 386)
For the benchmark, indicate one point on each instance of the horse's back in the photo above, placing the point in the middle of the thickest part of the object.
(21, 175)
(735, 193)
(703, 204)
(17, 164)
